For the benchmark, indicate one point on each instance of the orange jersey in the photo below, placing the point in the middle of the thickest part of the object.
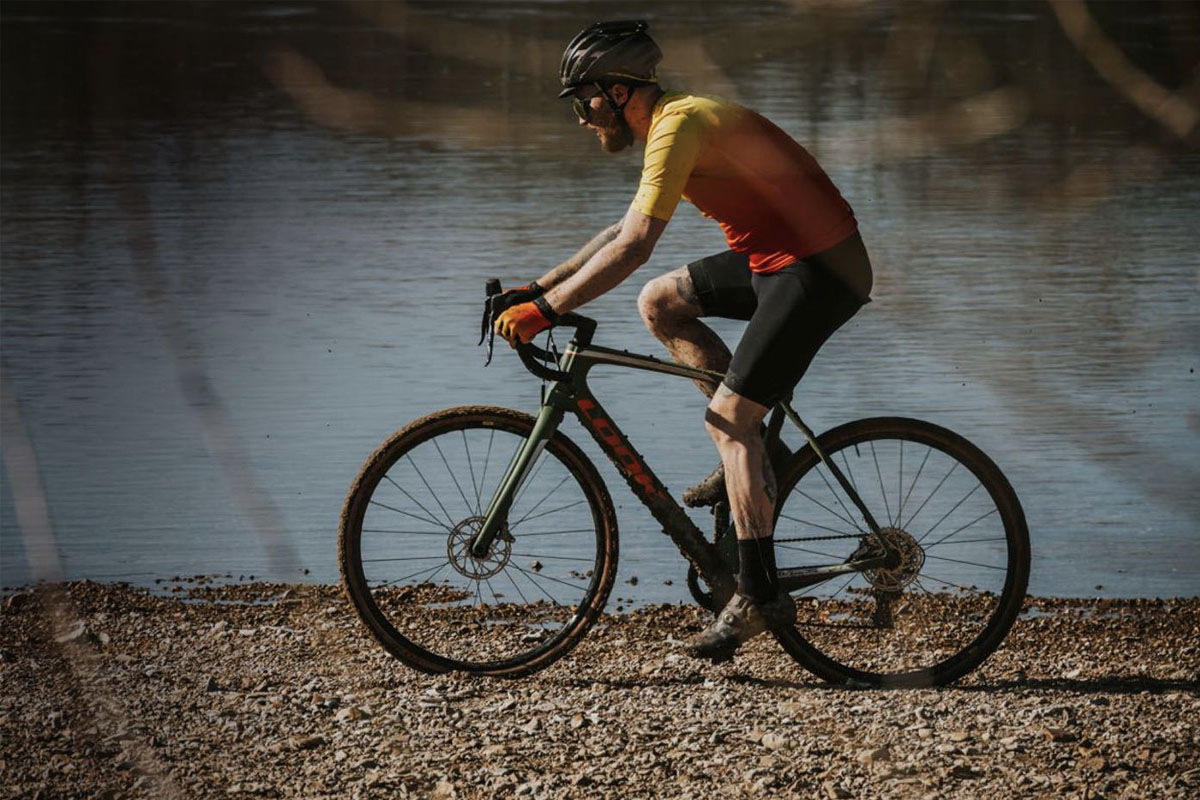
(771, 197)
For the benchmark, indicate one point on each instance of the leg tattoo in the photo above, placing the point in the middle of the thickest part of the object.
(769, 486)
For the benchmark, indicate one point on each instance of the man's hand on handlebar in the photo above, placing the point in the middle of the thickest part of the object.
(520, 323)
(521, 294)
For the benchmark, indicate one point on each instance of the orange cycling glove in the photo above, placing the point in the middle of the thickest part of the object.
(521, 323)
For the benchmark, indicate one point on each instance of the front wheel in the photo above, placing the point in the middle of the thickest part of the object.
(405, 562)
(963, 555)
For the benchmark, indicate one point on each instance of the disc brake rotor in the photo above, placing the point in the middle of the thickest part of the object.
(911, 559)
(458, 548)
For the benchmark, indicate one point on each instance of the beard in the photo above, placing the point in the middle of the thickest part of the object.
(614, 132)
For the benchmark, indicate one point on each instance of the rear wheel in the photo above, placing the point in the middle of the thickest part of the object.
(963, 548)
(403, 546)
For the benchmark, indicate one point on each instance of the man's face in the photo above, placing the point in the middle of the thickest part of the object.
(610, 126)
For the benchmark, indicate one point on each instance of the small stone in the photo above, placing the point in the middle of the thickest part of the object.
(578, 721)
(533, 726)
(773, 741)
(306, 742)
(1059, 734)
(875, 755)
(960, 736)
(211, 685)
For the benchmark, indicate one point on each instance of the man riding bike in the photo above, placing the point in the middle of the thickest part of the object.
(796, 269)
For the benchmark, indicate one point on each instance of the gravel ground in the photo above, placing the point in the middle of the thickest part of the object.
(270, 690)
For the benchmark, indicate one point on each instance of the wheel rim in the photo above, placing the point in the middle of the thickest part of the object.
(428, 592)
(953, 584)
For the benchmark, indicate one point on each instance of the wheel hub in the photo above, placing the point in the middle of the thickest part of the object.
(910, 555)
(458, 549)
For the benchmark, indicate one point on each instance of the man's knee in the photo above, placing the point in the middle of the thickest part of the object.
(663, 301)
(654, 301)
(731, 418)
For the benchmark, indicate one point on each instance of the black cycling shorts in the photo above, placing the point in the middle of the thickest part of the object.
(791, 313)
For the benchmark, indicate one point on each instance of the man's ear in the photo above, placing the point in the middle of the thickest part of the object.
(619, 92)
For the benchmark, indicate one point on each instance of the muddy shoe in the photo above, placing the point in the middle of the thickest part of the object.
(707, 492)
(741, 619)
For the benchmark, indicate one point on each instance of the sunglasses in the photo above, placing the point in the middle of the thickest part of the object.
(582, 106)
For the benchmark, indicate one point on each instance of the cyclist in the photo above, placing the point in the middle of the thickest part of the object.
(796, 269)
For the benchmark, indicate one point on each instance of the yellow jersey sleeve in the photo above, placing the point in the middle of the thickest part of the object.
(671, 152)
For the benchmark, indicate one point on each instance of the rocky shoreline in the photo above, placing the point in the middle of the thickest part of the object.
(270, 690)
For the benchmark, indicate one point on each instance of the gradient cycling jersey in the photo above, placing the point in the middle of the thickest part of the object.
(771, 198)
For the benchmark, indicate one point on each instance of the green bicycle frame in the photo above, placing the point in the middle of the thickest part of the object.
(714, 563)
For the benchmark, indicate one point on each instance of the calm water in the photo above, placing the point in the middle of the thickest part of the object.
(244, 242)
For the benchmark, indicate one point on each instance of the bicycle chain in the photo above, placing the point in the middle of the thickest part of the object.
(825, 538)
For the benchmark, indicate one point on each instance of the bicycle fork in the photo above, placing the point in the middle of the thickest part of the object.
(547, 423)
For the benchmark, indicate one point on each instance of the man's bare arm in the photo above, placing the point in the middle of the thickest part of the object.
(609, 265)
(573, 264)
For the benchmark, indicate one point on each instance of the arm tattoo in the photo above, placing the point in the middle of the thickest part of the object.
(573, 264)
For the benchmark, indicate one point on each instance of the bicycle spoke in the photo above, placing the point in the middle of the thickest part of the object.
(968, 563)
(471, 470)
(958, 586)
(453, 477)
(436, 499)
(508, 575)
(849, 472)
(406, 533)
(846, 519)
(970, 541)
(539, 502)
(407, 514)
(948, 513)
(886, 507)
(900, 488)
(525, 484)
(532, 576)
(806, 550)
(913, 485)
(551, 511)
(849, 518)
(403, 558)
(985, 515)
(555, 558)
(812, 524)
(433, 569)
(492, 589)
(483, 475)
(555, 533)
(953, 467)
(419, 504)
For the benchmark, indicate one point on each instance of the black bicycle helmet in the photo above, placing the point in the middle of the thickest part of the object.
(610, 52)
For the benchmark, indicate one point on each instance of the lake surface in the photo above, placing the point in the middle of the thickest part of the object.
(243, 242)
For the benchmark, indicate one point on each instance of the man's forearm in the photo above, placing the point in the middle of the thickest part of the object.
(573, 264)
(610, 265)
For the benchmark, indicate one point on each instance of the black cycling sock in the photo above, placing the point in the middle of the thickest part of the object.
(756, 569)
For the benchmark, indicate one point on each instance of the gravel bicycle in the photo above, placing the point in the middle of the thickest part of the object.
(482, 539)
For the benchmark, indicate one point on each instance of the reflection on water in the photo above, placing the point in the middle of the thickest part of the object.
(243, 242)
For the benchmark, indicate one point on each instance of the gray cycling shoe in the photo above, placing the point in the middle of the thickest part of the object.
(740, 620)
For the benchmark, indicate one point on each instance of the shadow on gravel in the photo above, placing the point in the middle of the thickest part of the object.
(1112, 684)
